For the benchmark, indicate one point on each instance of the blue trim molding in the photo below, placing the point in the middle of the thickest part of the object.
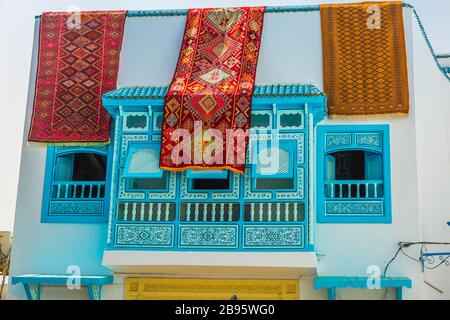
(272, 237)
(364, 201)
(333, 283)
(208, 236)
(354, 208)
(158, 235)
(32, 283)
(73, 208)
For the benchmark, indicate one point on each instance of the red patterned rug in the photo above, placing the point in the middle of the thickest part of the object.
(78, 63)
(213, 83)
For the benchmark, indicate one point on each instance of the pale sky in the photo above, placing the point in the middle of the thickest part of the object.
(16, 35)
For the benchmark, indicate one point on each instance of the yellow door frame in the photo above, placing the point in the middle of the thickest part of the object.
(210, 289)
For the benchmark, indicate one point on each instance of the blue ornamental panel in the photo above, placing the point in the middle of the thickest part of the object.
(156, 235)
(354, 208)
(76, 208)
(338, 140)
(208, 236)
(335, 140)
(126, 139)
(270, 236)
(369, 139)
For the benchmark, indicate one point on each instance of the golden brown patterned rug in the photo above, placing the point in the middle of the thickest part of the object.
(364, 59)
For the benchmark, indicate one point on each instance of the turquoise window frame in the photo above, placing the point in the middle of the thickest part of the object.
(145, 129)
(256, 113)
(299, 113)
(241, 193)
(155, 127)
(206, 174)
(100, 204)
(131, 190)
(229, 176)
(134, 147)
(289, 147)
(351, 139)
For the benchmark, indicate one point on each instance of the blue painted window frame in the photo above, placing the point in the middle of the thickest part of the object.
(135, 148)
(52, 154)
(350, 132)
(287, 146)
(299, 113)
(229, 176)
(208, 196)
(206, 174)
(126, 128)
(129, 189)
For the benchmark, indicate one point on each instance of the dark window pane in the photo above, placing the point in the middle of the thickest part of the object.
(291, 120)
(354, 165)
(158, 121)
(89, 167)
(149, 183)
(365, 167)
(260, 120)
(137, 121)
(275, 184)
(80, 167)
(349, 165)
(211, 184)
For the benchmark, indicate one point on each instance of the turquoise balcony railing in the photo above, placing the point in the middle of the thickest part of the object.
(353, 189)
(354, 198)
(84, 190)
(221, 225)
(84, 200)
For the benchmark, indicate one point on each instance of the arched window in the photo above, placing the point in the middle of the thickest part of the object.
(353, 174)
(79, 175)
(75, 185)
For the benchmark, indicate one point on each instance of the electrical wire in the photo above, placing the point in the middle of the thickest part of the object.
(412, 258)
(423, 248)
(392, 260)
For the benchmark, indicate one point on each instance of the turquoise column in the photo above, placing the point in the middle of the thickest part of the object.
(399, 293)
(331, 293)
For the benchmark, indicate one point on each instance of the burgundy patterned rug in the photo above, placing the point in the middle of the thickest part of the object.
(213, 85)
(78, 63)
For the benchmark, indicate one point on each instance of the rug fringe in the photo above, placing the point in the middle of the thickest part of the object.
(68, 144)
(396, 115)
(201, 168)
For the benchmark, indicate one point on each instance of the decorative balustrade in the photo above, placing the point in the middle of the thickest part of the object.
(353, 189)
(209, 212)
(211, 225)
(433, 260)
(277, 212)
(143, 211)
(86, 190)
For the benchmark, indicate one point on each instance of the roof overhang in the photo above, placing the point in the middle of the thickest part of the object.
(133, 97)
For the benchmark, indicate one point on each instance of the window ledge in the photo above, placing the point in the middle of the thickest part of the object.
(245, 264)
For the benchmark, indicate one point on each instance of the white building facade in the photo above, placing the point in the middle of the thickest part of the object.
(306, 235)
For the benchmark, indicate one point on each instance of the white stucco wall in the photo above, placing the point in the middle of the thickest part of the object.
(432, 123)
(445, 62)
(290, 53)
(350, 249)
(291, 50)
(47, 247)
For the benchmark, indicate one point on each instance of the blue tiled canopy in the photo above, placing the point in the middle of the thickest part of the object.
(259, 91)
